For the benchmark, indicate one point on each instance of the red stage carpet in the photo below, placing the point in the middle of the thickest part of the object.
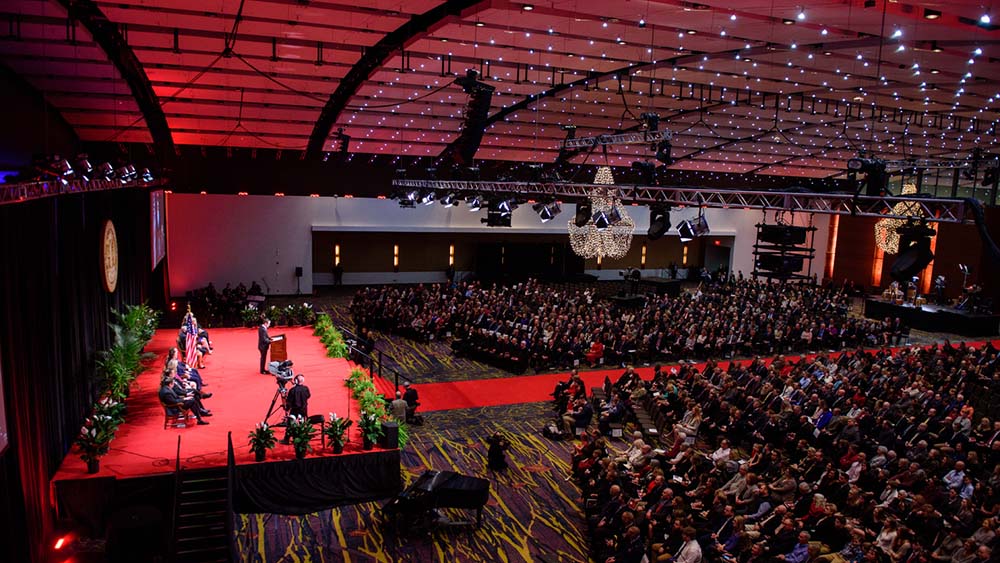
(528, 388)
(240, 400)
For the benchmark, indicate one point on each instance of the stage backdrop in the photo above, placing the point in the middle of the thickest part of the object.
(232, 239)
(55, 319)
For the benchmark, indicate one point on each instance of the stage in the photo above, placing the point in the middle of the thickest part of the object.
(935, 318)
(240, 400)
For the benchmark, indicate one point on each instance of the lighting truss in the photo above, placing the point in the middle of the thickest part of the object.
(620, 139)
(948, 164)
(26, 191)
(938, 210)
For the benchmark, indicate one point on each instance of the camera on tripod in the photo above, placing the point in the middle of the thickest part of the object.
(282, 372)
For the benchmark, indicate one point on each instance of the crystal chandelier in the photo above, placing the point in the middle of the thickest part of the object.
(885, 229)
(608, 234)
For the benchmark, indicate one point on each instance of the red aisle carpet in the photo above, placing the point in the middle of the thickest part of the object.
(528, 388)
(240, 400)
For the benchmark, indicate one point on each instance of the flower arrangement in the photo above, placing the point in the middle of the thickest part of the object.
(95, 439)
(262, 439)
(300, 432)
(371, 429)
(108, 406)
(335, 430)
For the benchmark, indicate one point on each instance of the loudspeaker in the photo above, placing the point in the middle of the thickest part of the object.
(298, 271)
(659, 222)
(390, 435)
(583, 212)
(914, 251)
(781, 264)
(788, 235)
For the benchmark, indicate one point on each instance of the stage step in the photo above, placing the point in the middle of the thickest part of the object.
(200, 526)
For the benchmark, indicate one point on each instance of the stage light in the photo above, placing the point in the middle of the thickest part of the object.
(527, 7)
(930, 14)
(801, 15)
(663, 150)
(547, 211)
(659, 221)
(601, 221)
(504, 207)
(985, 19)
(686, 231)
(62, 166)
(147, 176)
(583, 212)
(450, 199)
(914, 250)
(427, 198)
(787, 21)
(106, 171)
(614, 216)
(651, 121)
(475, 203)
(700, 226)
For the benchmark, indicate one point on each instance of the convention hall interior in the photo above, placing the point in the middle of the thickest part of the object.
(630, 281)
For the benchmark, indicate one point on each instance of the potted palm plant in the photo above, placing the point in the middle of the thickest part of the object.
(262, 439)
(371, 429)
(335, 431)
(95, 439)
(300, 432)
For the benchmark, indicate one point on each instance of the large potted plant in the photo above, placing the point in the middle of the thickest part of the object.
(371, 429)
(95, 439)
(335, 431)
(262, 439)
(300, 432)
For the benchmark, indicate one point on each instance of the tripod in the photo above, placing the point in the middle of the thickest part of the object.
(280, 392)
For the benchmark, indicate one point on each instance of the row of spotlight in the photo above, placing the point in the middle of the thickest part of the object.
(500, 210)
(64, 171)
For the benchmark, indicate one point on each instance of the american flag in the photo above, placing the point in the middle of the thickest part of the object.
(191, 344)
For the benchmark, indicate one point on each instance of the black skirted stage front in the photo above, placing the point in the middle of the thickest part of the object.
(935, 318)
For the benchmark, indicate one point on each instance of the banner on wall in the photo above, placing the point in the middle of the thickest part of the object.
(157, 225)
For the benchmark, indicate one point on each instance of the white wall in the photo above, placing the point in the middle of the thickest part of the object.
(233, 239)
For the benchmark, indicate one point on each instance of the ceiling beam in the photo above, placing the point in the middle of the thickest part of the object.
(112, 41)
(372, 59)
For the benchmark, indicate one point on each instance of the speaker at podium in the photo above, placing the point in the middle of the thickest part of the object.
(279, 348)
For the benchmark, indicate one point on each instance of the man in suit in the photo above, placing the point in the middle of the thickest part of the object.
(171, 399)
(263, 343)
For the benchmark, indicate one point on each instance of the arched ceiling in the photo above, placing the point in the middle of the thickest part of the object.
(746, 86)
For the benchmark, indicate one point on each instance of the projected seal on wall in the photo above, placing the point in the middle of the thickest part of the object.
(109, 256)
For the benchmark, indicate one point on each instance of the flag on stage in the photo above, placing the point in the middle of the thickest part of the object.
(191, 343)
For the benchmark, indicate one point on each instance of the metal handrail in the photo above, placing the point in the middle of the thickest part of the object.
(375, 365)
(177, 501)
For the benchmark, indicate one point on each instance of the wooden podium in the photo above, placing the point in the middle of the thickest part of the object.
(279, 348)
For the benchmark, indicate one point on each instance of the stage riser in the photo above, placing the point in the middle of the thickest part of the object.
(935, 321)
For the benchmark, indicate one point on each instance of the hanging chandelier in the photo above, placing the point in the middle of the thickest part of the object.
(886, 236)
(608, 234)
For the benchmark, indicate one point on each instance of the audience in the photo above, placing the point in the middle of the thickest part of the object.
(867, 457)
(541, 326)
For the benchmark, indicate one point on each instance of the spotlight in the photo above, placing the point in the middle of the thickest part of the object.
(642, 23)
(450, 199)
(914, 250)
(498, 214)
(106, 171)
(985, 19)
(601, 221)
(614, 216)
(427, 198)
(663, 150)
(504, 207)
(659, 221)
(475, 203)
(84, 166)
(62, 166)
(583, 211)
(651, 121)
(787, 21)
(700, 226)
(685, 230)
(801, 15)
(147, 176)
(527, 7)
(547, 212)
(930, 14)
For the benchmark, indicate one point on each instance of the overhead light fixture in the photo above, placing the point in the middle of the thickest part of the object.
(686, 231)
(787, 21)
(527, 7)
(480, 24)
(427, 198)
(450, 199)
(897, 34)
(62, 166)
(935, 48)
(663, 150)
(106, 171)
(475, 203)
(504, 207)
(547, 211)
(659, 221)
(801, 15)
(147, 176)
(930, 14)
(691, 32)
(583, 212)
(985, 19)
(642, 23)
(601, 221)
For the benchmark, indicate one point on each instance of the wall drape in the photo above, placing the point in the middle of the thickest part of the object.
(55, 319)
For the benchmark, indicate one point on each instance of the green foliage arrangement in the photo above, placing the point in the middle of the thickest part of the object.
(331, 338)
(95, 437)
(262, 439)
(371, 427)
(336, 429)
(301, 433)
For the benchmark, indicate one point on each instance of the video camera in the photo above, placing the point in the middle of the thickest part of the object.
(282, 371)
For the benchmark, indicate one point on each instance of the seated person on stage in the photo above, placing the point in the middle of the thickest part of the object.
(173, 398)
(174, 359)
(182, 378)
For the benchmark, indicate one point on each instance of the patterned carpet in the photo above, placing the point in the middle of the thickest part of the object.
(532, 514)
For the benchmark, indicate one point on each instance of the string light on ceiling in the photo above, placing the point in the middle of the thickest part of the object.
(885, 229)
(609, 232)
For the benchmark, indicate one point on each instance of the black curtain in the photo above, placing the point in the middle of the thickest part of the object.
(55, 319)
(313, 484)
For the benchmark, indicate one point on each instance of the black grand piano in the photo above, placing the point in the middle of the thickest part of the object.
(416, 508)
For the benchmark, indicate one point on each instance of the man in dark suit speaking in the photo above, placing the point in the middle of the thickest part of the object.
(263, 343)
